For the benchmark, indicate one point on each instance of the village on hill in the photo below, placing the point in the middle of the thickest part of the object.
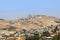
(37, 27)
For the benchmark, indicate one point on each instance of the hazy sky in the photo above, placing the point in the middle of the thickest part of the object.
(11, 9)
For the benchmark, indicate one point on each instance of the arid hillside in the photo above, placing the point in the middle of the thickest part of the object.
(29, 22)
(4, 23)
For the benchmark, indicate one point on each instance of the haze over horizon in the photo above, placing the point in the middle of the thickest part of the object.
(14, 9)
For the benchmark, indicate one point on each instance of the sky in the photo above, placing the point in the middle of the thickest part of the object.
(14, 9)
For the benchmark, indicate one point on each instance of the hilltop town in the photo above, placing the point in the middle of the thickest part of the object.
(37, 27)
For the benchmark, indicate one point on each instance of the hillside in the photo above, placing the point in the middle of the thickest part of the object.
(4, 23)
(29, 22)
(35, 22)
